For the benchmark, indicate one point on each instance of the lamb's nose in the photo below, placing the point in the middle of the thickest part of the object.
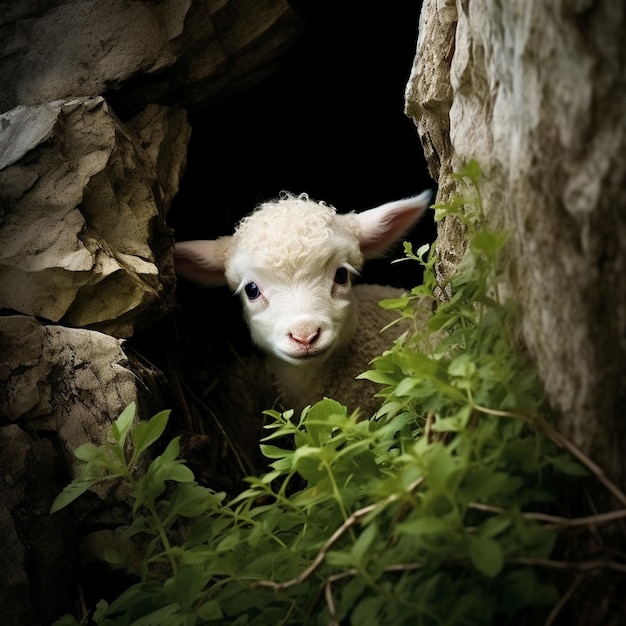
(306, 341)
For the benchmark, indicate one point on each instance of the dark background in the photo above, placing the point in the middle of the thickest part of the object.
(330, 122)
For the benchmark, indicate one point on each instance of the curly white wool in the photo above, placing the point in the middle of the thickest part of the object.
(287, 231)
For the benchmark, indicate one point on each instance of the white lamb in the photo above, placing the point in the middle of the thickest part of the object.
(292, 261)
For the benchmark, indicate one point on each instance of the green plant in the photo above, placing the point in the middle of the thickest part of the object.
(438, 511)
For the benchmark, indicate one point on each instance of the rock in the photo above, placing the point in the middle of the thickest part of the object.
(536, 93)
(36, 556)
(59, 388)
(188, 51)
(83, 240)
(66, 381)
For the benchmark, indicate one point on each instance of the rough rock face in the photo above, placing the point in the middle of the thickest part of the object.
(84, 213)
(172, 51)
(536, 92)
(59, 388)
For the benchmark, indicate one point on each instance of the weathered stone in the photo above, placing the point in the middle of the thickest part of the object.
(144, 50)
(59, 388)
(536, 93)
(83, 234)
(71, 382)
(36, 556)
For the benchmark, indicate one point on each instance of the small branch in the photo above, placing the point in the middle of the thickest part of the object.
(430, 416)
(562, 442)
(353, 519)
(554, 521)
(321, 555)
(581, 566)
(557, 608)
(328, 592)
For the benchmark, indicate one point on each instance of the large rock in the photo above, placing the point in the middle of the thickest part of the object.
(183, 51)
(83, 241)
(536, 92)
(59, 388)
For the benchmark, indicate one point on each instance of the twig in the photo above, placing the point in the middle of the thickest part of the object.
(430, 416)
(554, 521)
(332, 609)
(579, 566)
(562, 442)
(328, 593)
(557, 608)
(353, 519)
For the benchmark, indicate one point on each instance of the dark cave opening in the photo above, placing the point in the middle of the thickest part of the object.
(330, 122)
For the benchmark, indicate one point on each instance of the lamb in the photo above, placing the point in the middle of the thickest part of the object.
(292, 262)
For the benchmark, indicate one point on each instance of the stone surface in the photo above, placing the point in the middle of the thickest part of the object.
(83, 240)
(183, 51)
(59, 388)
(536, 92)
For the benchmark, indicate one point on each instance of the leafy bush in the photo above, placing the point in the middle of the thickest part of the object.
(433, 512)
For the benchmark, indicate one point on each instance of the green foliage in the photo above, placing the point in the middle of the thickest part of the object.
(422, 515)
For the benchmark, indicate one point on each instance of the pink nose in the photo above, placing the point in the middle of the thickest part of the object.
(306, 341)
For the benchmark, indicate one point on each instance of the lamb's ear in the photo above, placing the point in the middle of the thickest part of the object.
(383, 226)
(202, 260)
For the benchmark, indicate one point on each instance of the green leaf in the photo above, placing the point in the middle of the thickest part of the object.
(393, 304)
(471, 170)
(495, 525)
(570, 466)
(185, 586)
(368, 612)
(88, 452)
(426, 526)
(209, 611)
(72, 491)
(521, 587)
(489, 242)
(462, 366)
(176, 471)
(376, 376)
(162, 616)
(66, 620)
(229, 542)
(364, 543)
(191, 500)
(274, 452)
(337, 558)
(406, 386)
(121, 426)
(486, 555)
(146, 433)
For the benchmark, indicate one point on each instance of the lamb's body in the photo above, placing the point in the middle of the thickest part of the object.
(291, 262)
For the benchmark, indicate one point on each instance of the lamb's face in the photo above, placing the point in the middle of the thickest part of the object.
(292, 264)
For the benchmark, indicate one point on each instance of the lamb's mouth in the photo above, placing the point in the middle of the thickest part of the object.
(309, 355)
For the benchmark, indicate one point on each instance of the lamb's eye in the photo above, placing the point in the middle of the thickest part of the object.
(341, 276)
(252, 291)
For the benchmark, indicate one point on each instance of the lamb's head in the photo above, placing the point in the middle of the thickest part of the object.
(292, 261)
